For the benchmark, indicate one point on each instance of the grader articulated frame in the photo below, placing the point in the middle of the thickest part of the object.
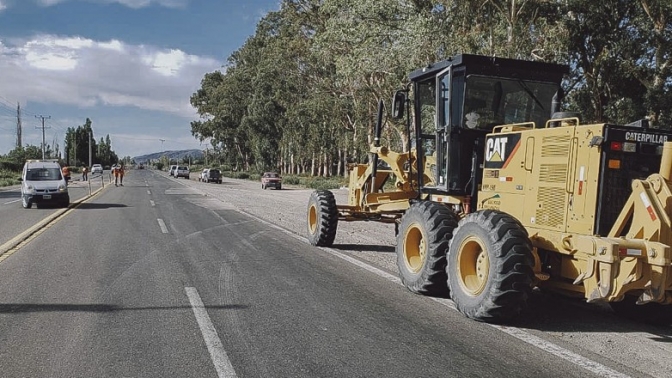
(367, 198)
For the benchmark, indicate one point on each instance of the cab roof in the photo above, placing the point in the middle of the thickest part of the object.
(490, 65)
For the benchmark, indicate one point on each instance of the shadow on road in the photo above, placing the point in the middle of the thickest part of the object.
(88, 205)
(364, 247)
(10, 308)
(232, 183)
(550, 312)
(8, 194)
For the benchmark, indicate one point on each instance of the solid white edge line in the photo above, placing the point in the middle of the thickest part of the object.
(537, 342)
(164, 229)
(588, 364)
(217, 353)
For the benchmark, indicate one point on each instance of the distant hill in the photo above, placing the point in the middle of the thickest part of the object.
(179, 155)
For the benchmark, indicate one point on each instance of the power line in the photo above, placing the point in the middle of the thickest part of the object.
(43, 118)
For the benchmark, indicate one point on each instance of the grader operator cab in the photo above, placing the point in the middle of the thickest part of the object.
(500, 192)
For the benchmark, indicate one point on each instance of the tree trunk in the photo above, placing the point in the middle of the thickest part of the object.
(339, 166)
(312, 165)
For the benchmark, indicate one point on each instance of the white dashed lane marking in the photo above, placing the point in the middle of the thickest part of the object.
(217, 353)
(164, 229)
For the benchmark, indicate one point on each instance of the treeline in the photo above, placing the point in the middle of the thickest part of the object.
(75, 151)
(77, 147)
(300, 95)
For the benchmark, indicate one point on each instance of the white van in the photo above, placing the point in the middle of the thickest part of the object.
(42, 182)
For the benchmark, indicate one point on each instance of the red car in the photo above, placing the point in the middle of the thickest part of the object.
(271, 180)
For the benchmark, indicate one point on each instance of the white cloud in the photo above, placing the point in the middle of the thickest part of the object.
(55, 54)
(112, 45)
(135, 4)
(83, 72)
(145, 3)
(48, 3)
(3, 6)
(166, 63)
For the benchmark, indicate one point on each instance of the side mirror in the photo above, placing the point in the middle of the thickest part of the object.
(398, 104)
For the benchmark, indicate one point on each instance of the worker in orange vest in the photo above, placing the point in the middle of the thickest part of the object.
(118, 175)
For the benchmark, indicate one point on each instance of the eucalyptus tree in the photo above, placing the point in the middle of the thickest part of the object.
(359, 41)
(103, 152)
(221, 103)
(77, 143)
(280, 51)
(312, 106)
(621, 54)
(302, 92)
(646, 62)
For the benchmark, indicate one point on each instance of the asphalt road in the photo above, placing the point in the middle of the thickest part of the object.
(160, 279)
(15, 219)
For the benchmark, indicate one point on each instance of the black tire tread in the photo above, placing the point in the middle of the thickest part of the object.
(327, 214)
(511, 269)
(439, 222)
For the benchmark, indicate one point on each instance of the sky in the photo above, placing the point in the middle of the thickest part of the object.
(130, 66)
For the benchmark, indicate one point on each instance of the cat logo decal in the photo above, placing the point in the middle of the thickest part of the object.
(499, 150)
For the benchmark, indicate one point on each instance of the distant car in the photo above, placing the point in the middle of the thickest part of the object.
(271, 180)
(211, 175)
(171, 172)
(97, 168)
(182, 171)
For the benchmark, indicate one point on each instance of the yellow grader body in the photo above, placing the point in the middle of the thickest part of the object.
(549, 182)
(498, 197)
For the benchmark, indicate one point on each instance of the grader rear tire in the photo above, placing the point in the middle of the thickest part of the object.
(489, 266)
(422, 244)
(322, 218)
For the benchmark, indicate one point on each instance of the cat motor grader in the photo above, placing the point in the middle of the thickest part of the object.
(500, 192)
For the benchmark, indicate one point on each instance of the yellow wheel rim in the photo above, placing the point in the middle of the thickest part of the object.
(415, 248)
(473, 266)
(312, 219)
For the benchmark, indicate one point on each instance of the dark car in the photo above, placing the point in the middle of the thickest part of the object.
(212, 175)
(271, 180)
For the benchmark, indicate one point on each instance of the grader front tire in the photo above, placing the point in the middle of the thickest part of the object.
(322, 218)
(422, 243)
(489, 266)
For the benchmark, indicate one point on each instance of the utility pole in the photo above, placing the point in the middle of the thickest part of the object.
(89, 147)
(43, 142)
(18, 125)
